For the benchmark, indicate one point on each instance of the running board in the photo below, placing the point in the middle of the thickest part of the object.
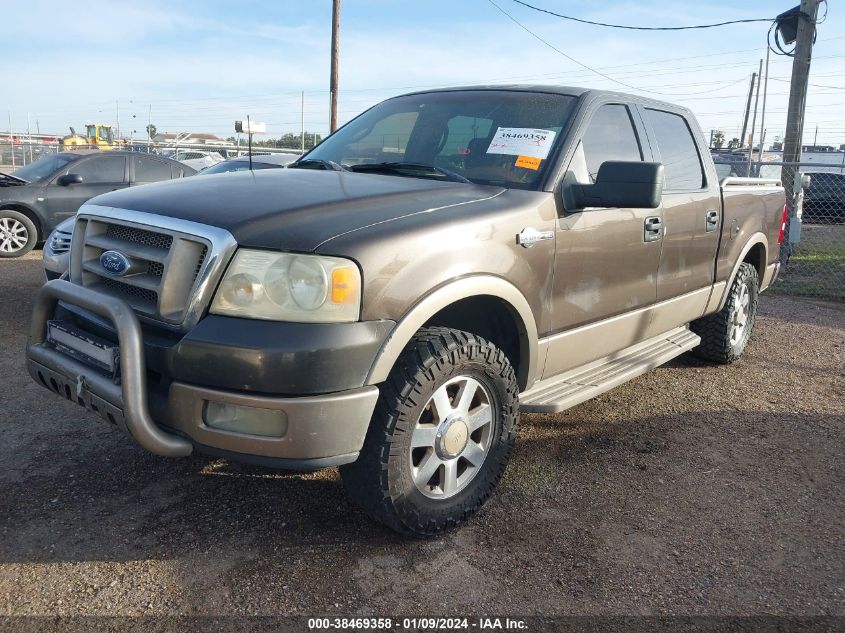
(563, 391)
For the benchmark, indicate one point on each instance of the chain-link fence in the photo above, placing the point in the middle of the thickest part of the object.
(20, 153)
(814, 247)
(813, 251)
(15, 155)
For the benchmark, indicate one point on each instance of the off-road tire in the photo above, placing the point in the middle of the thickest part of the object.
(381, 481)
(17, 219)
(715, 329)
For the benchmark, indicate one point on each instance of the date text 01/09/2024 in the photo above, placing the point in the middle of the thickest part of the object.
(417, 624)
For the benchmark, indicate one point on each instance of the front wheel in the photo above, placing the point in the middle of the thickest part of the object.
(17, 234)
(725, 334)
(441, 434)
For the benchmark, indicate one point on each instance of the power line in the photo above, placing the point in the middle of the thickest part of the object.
(814, 85)
(579, 63)
(642, 28)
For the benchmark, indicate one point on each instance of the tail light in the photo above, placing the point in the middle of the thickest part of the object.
(783, 224)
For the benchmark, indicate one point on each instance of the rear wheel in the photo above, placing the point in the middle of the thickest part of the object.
(17, 234)
(725, 335)
(441, 435)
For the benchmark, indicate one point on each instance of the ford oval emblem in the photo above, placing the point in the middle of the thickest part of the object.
(115, 263)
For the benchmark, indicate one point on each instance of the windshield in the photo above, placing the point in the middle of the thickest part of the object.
(495, 137)
(236, 165)
(43, 167)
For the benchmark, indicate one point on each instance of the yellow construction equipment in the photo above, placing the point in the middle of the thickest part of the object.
(97, 136)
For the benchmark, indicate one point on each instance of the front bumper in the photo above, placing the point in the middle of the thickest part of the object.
(322, 430)
(55, 264)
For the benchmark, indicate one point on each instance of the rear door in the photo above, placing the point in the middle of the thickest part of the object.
(100, 173)
(692, 219)
(146, 168)
(605, 270)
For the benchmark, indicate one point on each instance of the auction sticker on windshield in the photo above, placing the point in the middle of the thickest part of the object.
(522, 141)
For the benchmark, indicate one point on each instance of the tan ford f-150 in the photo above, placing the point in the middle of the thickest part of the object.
(391, 301)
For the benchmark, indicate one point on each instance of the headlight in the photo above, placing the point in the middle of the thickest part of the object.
(59, 240)
(288, 287)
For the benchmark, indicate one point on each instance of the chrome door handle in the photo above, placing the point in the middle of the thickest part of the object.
(653, 229)
(711, 220)
(529, 236)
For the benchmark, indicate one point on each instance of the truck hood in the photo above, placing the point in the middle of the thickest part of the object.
(294, 209)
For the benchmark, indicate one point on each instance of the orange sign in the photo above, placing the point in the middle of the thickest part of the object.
(528, 162)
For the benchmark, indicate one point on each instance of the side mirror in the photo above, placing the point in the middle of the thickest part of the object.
(69, 179)
(623, 184)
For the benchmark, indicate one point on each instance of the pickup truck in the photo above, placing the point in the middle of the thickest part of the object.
(390, 302)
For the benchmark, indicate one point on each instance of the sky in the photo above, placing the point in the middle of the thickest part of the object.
(200, 65)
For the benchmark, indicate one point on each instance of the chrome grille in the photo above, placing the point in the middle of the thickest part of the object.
(127, 291)
(200, 262)
(139, 236)
(174, 264)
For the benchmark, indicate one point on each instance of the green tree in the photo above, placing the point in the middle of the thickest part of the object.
(718, 139)
(151, 130)
(733, 143)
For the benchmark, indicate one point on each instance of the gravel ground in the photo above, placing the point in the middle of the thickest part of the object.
(693, 490)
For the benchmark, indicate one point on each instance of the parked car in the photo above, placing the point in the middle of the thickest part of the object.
(196, 159)
(259, 161)
(824, 198)
(56, 253)
(35, 198)
(392, 300)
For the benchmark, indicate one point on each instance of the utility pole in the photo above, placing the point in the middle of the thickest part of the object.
(11, 139)
(302, 122)
(763, 114)
(335, 63)
(117, 108)
(742, 137)
(29, 136)
(791, 178)
(149, 126)
(809, 10)
(815, 138)
(754, 120)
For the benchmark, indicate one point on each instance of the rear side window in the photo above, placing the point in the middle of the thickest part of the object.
(150, 169)
(610, 136)
(101, 169)
(678, 150)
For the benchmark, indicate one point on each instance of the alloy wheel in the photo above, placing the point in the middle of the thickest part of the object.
(741, 315)
(452, 438)
(13, 235)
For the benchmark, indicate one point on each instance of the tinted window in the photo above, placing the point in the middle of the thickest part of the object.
(678, 151)
(610, 136)
(150, 169)
(101, 169)
(43, 167)
(487, 136)
(386, 140)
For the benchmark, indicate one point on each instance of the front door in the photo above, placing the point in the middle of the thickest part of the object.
(100, 173)
(606, 263)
